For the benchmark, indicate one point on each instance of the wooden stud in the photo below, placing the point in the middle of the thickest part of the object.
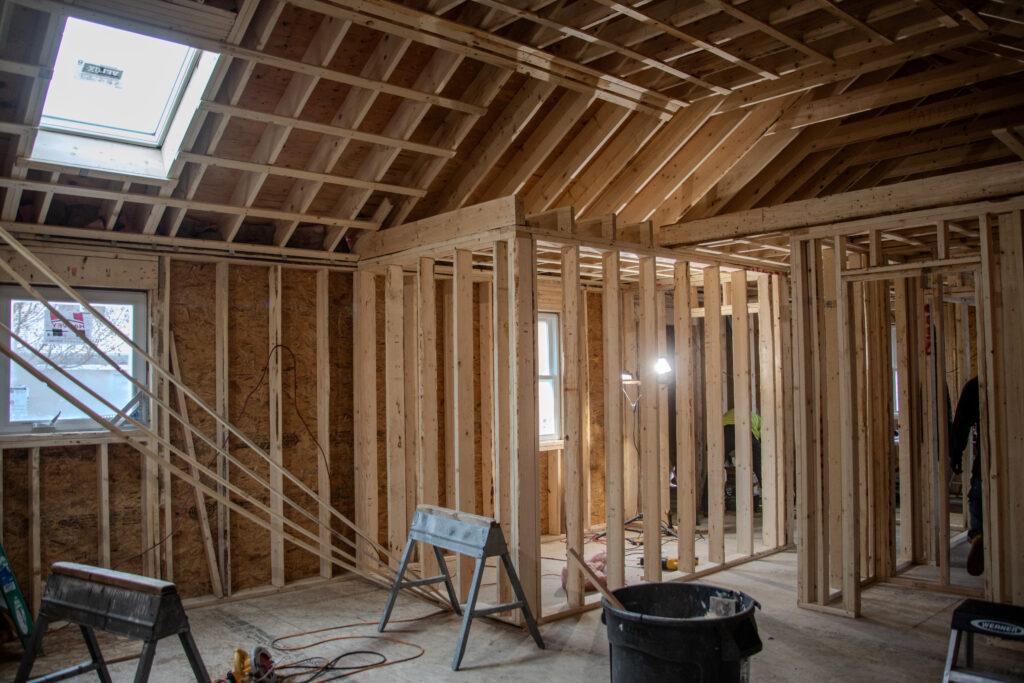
(276, 451)
(103, 505)
(848, 436)
(35, 553)
(661, 334)
(612, 324)
(323, 412)
(162, 327)
(486, 351)
(807, 508)
(410, 329)
(649, 421)
(572, 423)
(942, 418)
(426, 399)
(741, 411)
(631, 436)
(713, 414)
(448, 346)
(221, 403)
(783, 342)
(464, 401)
(686, 444)
(394, 399)
(503, 422)
(769, 475)
(524, 484)
(555, 489)
(908, 501)
(364, 385)
(831, 483)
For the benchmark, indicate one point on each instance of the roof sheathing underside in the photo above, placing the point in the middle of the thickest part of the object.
(329, 119)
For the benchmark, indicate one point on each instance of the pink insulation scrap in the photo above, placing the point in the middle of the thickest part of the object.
(598, 564)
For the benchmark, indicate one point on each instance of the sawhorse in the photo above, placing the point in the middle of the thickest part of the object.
(987, 618)
(115, 602)
(468, 534)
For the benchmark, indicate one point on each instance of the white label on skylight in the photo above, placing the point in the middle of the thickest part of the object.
(148, 75)
(99, 73)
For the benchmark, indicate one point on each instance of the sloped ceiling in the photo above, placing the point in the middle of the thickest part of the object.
(327, 119)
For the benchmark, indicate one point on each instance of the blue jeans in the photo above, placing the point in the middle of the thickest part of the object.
(974, 504)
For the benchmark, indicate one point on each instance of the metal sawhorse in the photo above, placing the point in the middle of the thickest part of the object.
(468, 534)
(116, 602)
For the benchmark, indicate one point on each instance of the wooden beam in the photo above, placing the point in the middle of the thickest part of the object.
(486, 352)
(572, 412)
(741, 411)
(394, 399)
(649, 420)
(613, 409)
(807, 506)
(426, 397)
(771, 464)
(503, 422)
(364, 385)
(765, 27)
(102, 504)
(848, 435)
(464, 401)
(221, 403)
(323, 412)
(524, 469)
(955, 188)
(908, 498)
(1012, 139)
(497, 213)
(713, 398)
(686, 442)
(275, 418)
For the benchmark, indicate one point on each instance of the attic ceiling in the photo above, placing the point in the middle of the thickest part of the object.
(328, 119)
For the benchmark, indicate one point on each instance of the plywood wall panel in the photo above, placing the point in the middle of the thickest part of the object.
(341, 428)
(248, 351)
(298, 363)
(595, 368)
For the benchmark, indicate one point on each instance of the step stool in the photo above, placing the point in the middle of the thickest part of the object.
(116, 602)
(468, 534)
(987, 618)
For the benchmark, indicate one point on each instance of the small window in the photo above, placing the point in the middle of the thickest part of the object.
(32, 407)
(119, 101)
(549, 375)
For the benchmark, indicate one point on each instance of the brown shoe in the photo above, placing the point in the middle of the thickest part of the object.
(976, 557)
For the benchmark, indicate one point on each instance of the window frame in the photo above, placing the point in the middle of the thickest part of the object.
(555, 364)
(138, 299)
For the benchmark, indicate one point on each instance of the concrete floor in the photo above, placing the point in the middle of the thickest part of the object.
(902, 637)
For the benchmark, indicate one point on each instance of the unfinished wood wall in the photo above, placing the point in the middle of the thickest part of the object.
(908, 326)
(94, 501)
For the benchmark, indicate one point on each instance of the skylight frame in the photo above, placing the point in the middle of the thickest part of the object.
(150, 159)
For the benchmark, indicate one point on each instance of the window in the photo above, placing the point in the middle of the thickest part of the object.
(32, 407)
(119, 101)
(549, 376)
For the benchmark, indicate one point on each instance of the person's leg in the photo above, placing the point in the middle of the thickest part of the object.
(974, 505)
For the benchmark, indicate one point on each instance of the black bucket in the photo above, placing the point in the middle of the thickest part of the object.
(670, 632)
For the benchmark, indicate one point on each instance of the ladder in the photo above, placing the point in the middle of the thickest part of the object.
(16, 605)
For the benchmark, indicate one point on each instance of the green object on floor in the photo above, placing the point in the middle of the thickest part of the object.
(16, 604)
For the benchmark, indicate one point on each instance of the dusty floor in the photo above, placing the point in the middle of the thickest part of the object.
(901, 637)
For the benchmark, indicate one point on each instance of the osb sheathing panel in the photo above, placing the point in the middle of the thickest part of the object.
(193, 325)
(248, 343)
(16, 512)
(299, 373)
(125, 508)
(340, 339)
(67, 498)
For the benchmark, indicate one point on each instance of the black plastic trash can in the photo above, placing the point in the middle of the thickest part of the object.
(669, 632)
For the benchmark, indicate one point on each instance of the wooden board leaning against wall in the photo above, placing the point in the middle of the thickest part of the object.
(219, 317)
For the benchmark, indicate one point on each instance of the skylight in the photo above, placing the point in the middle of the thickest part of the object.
(116, 84)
